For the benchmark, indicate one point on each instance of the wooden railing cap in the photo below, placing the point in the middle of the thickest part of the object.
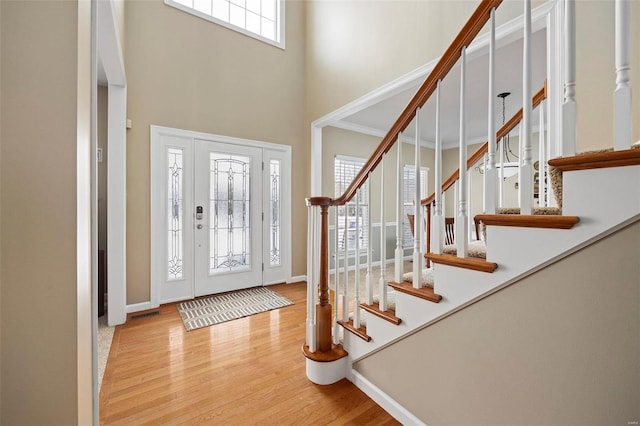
(319, 201)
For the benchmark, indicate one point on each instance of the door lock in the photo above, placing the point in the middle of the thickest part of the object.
(199, 213)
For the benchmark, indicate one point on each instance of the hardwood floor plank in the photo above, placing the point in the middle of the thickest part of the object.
(246, 371)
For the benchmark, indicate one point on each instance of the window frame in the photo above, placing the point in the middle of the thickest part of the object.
(280, 23)
(364, 229)
(409, 193)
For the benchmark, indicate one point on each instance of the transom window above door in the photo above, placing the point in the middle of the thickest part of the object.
(260, 19)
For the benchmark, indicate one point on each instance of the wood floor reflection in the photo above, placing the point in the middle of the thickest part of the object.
(246, 371)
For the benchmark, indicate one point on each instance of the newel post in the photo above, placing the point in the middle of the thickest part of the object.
(323, 308)
(326, 362)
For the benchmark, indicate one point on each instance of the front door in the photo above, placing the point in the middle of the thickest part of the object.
(220, 214)
(228, 217)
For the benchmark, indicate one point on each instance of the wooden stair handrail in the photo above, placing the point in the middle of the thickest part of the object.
(472, 27)
(477, 155)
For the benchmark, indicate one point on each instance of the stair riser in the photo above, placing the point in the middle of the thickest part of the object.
(616, 203)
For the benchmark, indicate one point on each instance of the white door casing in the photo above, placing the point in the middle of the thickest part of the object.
(182, 262)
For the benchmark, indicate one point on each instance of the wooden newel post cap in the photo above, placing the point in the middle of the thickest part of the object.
(319, 201)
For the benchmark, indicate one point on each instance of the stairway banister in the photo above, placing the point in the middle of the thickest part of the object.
(472, 27)
(479, 153)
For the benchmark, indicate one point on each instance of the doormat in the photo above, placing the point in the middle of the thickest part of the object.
(212, 310)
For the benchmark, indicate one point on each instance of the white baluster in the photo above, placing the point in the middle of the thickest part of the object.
(469, 204)
(542, 159)
(356, 292)
(336, 282)
(369, 276)
(622, 95)
(382, 293)
(345, 240)
(526, 161)
(309, 274)
(569, 107)
(437, 226)
(461, 221)
(501, 176)
(313, 265)
(418, 259)
(399, 254)
(489, 178)
(484, 166)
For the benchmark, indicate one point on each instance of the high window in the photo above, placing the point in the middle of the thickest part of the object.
(260, 19)
(345, 170)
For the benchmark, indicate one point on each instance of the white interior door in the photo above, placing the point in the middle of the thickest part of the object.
(227, 217)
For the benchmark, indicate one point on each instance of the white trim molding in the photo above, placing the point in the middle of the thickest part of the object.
(389, 404)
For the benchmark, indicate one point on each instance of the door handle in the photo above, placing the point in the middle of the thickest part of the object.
(199, 226)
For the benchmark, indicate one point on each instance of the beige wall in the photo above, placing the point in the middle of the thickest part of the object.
(188, 73)
(373, 42)
(559, 347)
(103, 104)
(38, 186)
(595, 79)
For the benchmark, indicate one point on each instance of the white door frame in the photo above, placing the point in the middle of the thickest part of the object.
(156, 247)
(110, 53)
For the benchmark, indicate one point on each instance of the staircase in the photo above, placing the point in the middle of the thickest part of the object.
(517, 242)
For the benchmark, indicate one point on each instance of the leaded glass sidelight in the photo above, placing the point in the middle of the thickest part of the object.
(274, 205)
(175, 216)
(229, 213)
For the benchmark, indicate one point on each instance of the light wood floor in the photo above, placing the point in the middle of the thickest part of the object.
(246, 371)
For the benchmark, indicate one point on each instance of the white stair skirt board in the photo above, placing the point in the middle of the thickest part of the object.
(389, 404)
(461, 287)
(326, 373)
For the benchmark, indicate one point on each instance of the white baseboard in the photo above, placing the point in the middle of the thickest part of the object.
(297, 279)
(137, 307)
(389, 404)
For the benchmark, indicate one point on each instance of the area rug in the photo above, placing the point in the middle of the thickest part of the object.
(212, 310)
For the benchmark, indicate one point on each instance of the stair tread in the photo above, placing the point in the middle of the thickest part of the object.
(427, 277)
(535, 211)
(388, 315)
(425, 293)
(529, 221)
(462, 262)
(597, 160)
(476, 250)
(361, 332)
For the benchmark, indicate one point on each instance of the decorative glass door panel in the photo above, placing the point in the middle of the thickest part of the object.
(228, 219)
(230, 213)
